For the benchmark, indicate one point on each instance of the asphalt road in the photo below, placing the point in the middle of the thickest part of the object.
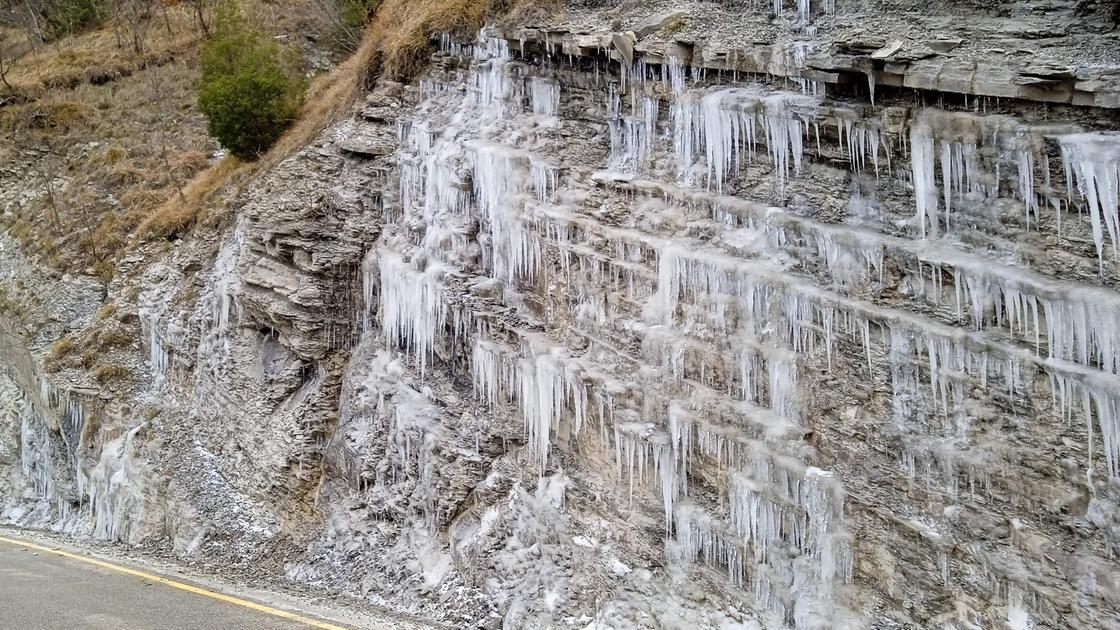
(43, 591)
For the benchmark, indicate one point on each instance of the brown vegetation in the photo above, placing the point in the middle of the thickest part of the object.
(202, 199)
(106, 311)
(60, 350)
(111, 138)
(396, 44)
(405, 29)
(106, 339)
(100, 56)
(104, 136)
(109, 373)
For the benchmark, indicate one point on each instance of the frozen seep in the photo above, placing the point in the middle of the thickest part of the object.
(412, 309)
(729, 124)
(689, 324)
(1092, 160)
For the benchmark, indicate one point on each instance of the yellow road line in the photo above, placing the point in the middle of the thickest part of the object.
(276, 612)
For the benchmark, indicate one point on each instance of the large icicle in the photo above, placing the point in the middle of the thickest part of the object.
(1094, 160)
(925, 186)
(501, 180)
(726, 124)
(544, 95)
(549, 390)
(412, 308)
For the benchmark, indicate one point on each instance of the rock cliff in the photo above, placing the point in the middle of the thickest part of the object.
(714, 314)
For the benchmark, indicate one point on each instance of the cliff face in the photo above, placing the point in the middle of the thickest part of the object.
(705, 317)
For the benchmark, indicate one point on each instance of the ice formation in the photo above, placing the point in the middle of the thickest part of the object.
(547, 388)
(729, 124)
(116, 496)
(545, 95)
(515, 195)
(723, 333)
(412, 308)
(51, 434)
(623, 301)
(1092, 160)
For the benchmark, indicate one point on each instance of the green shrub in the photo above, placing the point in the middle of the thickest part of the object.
(69, 16)
(355, 13)
(251, 87)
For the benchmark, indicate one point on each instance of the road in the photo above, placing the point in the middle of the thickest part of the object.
(42, 590)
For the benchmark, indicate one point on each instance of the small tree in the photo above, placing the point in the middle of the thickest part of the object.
(8, 57)
(132, 19)
(200, 10)
(69, 16)
(251, 87)
(346, 21)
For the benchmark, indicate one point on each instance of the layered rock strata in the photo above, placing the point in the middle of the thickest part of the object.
(585, 331)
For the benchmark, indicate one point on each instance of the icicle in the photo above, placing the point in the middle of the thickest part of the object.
(547, 387)
(724, 124)
(412, 308)
(725, 131)
(1025, 163)
(700, 539)
(492, 375)
(501, 177)
(492, 80)
(1094, 160)
(676, 75)
(632, 136)
(544, 96)
(544, 180)
(1017, 616)
(925, 190)
(784, 134)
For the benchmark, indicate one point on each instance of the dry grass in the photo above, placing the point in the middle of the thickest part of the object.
(397, 44)
(9, 304)
(115, 152)
(106, 311)
(150, 174)
(110, 373)
(329, 96)
(60, 350)
(53, 113)
(408, 27)
(180, 211)
(123, 137)
(140, 202)
(105, 339)
(184, 165)
(96, 57)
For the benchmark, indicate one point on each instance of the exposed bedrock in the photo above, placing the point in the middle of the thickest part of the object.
(612, 327)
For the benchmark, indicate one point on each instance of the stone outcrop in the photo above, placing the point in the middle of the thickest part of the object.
(802, 329)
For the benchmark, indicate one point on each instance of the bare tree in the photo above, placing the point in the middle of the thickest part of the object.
(12, 45)
(7, 60)
(11, 20)
(132, 20)
(33, 21)
(346, 20)
(157, 97)
(200, 7)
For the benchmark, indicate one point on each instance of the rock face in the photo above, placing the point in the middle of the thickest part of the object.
(556, 337)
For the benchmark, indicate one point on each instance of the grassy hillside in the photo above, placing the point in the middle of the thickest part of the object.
(102, 145)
